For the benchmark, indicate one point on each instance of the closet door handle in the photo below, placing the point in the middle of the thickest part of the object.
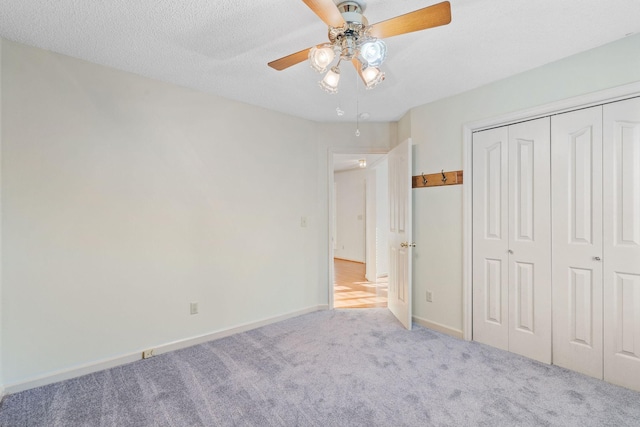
(596, 258)
(510, 251)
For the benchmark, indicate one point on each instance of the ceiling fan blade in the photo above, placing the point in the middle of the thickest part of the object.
(327, 11)
(289, 60)
(421, 19)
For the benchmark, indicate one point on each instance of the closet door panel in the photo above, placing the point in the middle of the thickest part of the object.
(576, 199)
(490, 238)
(621, 194)
(530, 239)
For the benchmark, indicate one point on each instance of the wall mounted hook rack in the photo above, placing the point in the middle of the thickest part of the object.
(437, 179)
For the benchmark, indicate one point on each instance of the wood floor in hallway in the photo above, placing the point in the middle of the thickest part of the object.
(353, 290)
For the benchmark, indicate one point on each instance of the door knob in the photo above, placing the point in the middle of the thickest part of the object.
(596, 258)
(510, 251)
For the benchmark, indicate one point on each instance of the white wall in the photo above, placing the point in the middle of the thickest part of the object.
(436, 129)
(382, 217)
(371, 225)
(125, 199)
(1, 221)
(350, 214)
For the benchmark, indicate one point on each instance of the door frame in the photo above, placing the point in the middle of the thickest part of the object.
(614, 94)
(330, 187)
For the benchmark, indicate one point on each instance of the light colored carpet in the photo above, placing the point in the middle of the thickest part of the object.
(331, 368)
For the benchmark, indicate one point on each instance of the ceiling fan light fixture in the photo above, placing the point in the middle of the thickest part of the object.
(373, 52)
(330, 81)
(372, 77)
(321, 57)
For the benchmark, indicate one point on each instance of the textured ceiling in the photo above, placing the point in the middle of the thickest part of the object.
(223, 46)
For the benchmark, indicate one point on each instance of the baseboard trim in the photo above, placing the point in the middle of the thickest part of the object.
(89, 368)
(350, 260)
(456, 333)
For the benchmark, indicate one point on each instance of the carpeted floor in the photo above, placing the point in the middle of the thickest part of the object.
(330, 368)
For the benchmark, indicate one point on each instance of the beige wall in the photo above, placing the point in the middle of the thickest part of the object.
(1, 221)
(350, 214)
(125, 199)
(436, 131)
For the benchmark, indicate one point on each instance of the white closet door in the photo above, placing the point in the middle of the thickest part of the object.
(490, 238)
(576, 177)
(530, 240)
(622, 243)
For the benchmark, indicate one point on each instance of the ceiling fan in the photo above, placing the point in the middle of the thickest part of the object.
(351, 38)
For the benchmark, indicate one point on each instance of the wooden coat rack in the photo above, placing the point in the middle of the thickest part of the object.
(437, 179)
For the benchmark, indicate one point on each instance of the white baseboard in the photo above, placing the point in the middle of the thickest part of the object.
(359, 261)
(456, 333)
(88, 368)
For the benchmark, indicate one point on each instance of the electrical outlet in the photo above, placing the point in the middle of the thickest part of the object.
(193, 308)
(429, 296)
(147, 354)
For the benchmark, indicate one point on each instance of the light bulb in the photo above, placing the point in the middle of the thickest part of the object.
(373, 52)
(320, 58)
(331, 80)
(372, 77)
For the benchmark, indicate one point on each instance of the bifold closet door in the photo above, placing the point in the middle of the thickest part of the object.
(491, 238)
(576, 176)
(530, 239)
(512, 239)
(621, 259)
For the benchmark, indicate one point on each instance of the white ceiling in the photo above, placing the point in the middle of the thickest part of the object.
(223, 46)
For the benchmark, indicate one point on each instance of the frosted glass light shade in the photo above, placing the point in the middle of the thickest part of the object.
(320, 58)
(372, 77)
(373, 52)
(331, 80)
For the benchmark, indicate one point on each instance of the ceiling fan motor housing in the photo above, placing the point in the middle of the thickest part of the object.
(352, 11)
(346, 39)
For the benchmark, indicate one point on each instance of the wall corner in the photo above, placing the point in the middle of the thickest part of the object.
(403, 128)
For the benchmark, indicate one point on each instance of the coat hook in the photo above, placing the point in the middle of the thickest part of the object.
(424, 179)
(444, 178)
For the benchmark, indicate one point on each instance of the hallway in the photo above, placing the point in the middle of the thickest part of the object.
(353, 290)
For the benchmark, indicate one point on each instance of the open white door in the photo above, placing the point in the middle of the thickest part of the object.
(400, 238)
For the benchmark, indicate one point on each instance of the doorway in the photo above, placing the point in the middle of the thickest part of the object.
(359, 237)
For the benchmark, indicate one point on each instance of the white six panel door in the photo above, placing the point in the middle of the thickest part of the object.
(621, 170)
(577, 240)
(530, 240)
(400, 234)
(490, 238)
